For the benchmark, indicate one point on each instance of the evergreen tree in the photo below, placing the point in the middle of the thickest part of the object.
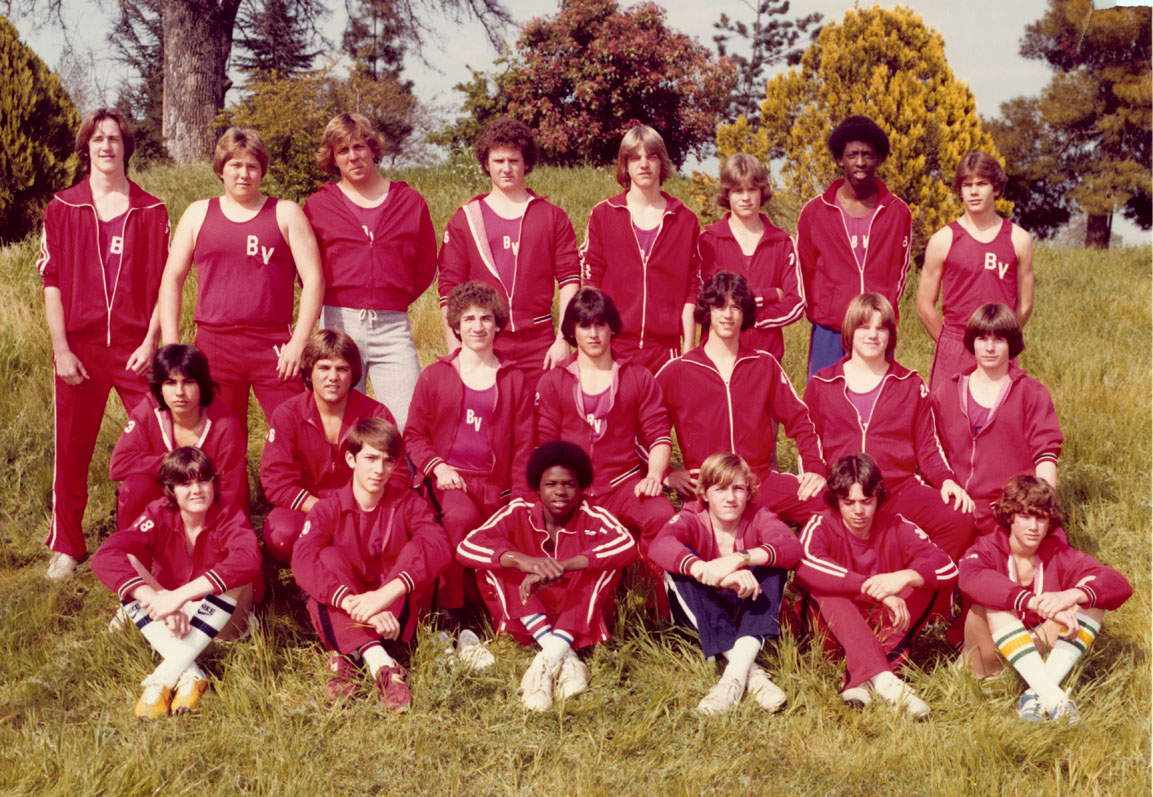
(275, 36)
(137, 39)
(886, 65)
(36, 139)
(1098, 109)
(770, 41)
(375, 38)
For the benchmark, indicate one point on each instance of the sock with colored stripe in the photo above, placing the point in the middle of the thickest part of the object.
(209, 616)
(555, 647)
(376, 657)
(1016, 645)
(740, 658)
(1065, 652)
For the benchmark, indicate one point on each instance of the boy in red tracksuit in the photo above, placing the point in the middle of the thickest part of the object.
(892, 422)
(195, 573)
(872, 576)
(303, 459)
(517, 243)
(101, 258)
(550, 570)
(378, 252)
(746, 243)
(368, 558)
(470, 433)
(640, 248)
(1013, 429)
(182, 410)
(726, 563)
(854, 238)
(609, 409)
(723, 397)
(1033, 593)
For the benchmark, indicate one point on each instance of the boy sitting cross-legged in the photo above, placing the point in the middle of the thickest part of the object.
(549, 570)
(368, 557)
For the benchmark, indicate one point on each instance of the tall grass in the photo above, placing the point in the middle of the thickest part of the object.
(67, 685)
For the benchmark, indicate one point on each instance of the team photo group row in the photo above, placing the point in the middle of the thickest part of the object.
(521, 476)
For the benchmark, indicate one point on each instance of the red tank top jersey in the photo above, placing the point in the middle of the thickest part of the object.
(245, 270)
(977, 273)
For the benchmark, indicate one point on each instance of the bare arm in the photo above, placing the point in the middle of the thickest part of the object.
(659, 458)
(929, 288)
(176, 270)
(306, 254)
(1023, 246)
(141, 360)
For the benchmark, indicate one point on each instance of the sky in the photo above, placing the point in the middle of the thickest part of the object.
(982, 39)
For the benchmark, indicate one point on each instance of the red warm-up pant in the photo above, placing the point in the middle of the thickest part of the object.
(244, 357)
(79, 411)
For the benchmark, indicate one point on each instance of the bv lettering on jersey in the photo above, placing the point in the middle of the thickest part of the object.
(117, 245)
(853, 242)
(993, 264)
(370, 236)
(254, 249)
(472, 419)
(509, 244)
(595, 423)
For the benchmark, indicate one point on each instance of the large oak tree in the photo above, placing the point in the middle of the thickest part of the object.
(197, 44)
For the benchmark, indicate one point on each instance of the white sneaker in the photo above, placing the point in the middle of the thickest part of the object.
(726, 694)
(857, 696)
(61, 566)
(900, 694)
(573, 676)
(472, 652)
(536, 685)
(760, 687)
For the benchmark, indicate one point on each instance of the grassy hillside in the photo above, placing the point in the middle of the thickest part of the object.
(67, 685)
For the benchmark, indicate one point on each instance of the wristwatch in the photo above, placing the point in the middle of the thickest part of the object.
(746, 557)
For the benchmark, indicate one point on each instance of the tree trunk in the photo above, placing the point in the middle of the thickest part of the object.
(1098, 229)
(197, 42)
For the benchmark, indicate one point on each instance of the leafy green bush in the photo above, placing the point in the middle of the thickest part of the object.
(291, 113)
(36, 136)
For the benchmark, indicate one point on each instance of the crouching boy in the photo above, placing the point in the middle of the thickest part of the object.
(550, 569)
(368, 558)
(185, 572)
(1032, 592)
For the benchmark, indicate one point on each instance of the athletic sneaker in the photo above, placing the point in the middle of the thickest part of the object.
(392, 685)
(189, 689)
(573, 676)
(857, 696)
(1065, 712)
(760, 687)
(536, 685)
(723, 696)
(61, 566)
(345, 680)
(154, 703)
(472, 652)
(1029, 708)
(900, 694)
